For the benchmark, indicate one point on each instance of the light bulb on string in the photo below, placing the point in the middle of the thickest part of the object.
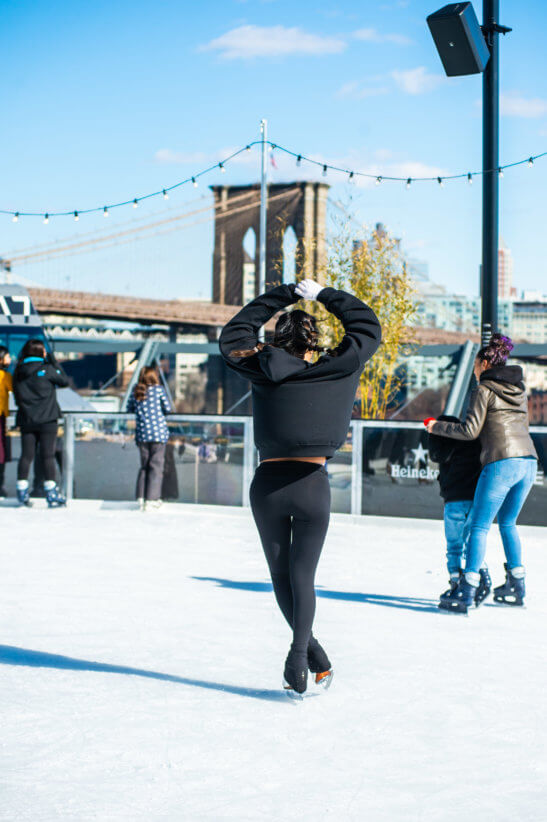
(15, 218)
(194, 182)
(324, 171)
(440, 182)
(221, 167)
(530, 162)
(105, 212)
(165, 195)
(76, 216)
(408, 182)
(135, 203)
(299, 160)
(46, 219)
(470, 179)
(378, 180)
(350, 177)
(247, 148)
(500, 172)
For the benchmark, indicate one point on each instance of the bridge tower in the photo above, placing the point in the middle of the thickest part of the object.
(300, 205)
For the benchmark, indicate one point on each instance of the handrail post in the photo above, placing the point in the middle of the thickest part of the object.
(356, 467)
(68, 457)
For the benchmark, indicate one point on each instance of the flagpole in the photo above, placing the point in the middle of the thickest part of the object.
(263, 214)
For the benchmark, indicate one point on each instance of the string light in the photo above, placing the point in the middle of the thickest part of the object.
(76, 216)
(325, 168)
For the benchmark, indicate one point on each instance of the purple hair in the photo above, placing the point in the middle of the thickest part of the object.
(497, 350)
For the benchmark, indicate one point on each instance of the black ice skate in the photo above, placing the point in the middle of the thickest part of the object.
(512, 592)
(319, 664)
(485, 586)
(462, 600)
(54, 498)
(295, 675)
(450, 593)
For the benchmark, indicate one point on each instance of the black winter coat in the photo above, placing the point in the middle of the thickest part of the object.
(301, 409)
(459, 464)
(34, 384)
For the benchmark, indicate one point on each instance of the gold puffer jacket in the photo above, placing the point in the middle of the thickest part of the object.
(498, 414)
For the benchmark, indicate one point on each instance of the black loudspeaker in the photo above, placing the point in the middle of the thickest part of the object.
(459, 40)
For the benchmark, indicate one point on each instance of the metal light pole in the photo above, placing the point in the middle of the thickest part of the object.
(490, 177)
(466, 48)
(263, 214)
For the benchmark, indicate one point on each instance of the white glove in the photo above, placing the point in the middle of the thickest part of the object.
(308, 289)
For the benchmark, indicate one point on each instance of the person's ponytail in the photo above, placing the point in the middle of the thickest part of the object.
(295, 332)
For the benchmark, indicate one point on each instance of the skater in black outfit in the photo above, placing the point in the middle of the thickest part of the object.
(301, 412)
(36, 377)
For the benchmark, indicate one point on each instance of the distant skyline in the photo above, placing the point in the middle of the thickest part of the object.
(111, 100)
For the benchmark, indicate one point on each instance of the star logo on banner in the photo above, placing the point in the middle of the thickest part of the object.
(420, 454)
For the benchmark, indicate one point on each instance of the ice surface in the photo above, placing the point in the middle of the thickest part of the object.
(141, 667)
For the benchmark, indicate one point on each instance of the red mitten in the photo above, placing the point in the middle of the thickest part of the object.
(428, 420)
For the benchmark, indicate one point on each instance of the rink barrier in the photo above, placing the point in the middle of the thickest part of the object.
(385, 460)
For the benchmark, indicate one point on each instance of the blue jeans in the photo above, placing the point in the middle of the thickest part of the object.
(502, 489)
(456, 530)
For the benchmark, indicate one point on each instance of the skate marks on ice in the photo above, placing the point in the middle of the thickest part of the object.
(12, 655)
(406, 603)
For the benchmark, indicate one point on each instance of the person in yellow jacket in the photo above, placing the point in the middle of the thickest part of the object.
(5, 387)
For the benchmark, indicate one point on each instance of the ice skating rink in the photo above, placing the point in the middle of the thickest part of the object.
(141, 660)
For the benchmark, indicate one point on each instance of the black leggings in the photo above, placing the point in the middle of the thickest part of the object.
(46, 435)
(291, 506)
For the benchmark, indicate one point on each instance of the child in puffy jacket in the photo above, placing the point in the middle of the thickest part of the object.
(459, 470)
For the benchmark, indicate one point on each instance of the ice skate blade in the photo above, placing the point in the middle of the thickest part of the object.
(291, 693)
(323, 680)
(457, 611)
(507, 604)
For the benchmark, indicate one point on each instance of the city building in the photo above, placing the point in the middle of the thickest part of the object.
(530, 320)
(505, 272)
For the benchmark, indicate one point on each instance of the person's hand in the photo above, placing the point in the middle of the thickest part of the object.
(308, 289)
(430, 425)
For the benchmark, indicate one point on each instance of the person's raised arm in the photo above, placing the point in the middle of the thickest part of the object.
(241, 332)
(362, 329)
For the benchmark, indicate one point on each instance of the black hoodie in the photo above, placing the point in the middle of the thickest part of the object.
(301, 409)
(459, 464)
(34, 383)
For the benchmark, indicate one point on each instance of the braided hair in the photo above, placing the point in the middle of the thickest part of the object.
(295, 331)
(497, 351)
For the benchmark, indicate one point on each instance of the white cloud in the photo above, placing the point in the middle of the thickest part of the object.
(359, 91)
(514, 105)
(374, 36)
(246, 42)
(416, 81)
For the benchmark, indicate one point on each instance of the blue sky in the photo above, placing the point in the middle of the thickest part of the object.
(106, 101)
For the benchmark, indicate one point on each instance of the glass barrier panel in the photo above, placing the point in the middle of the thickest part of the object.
(203, 461)
(399, 479)
(339, 471)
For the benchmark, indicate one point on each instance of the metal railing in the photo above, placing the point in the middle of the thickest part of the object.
(365, 475)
